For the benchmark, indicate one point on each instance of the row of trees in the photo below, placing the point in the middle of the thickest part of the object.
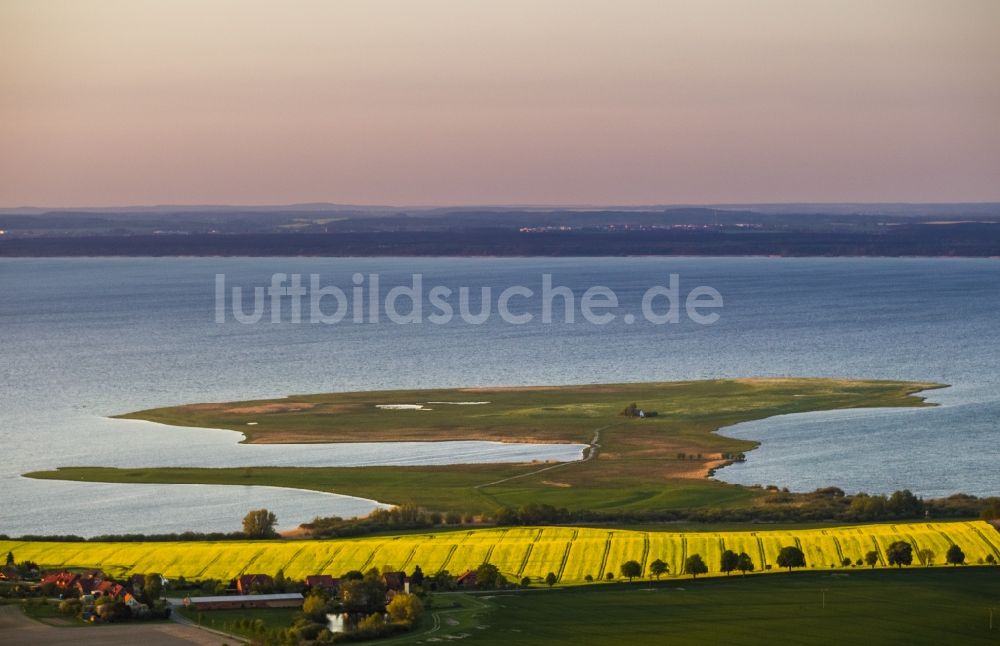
(828, 503)
(400, 517)
(899, 553)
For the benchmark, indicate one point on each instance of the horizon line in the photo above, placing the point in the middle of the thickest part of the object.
(489, 205)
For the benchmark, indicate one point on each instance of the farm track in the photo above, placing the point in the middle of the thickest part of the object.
(565, 557)
(761, 554)
(591, 451)
(991, 544)
(604, 557)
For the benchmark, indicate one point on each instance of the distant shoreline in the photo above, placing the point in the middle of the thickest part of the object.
(918, 231)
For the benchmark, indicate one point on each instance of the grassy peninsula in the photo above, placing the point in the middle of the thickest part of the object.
(649, 463)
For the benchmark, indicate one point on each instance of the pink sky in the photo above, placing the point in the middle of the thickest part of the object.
(468, 102)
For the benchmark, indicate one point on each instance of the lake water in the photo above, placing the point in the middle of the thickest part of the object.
(87, 338)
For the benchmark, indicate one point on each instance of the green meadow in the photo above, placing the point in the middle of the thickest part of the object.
(652, 463)
(933, 607)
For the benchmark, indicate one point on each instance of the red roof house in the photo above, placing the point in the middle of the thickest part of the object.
(245, 584)
(322, 581)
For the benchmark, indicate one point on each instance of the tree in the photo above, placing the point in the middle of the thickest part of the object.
(260, 524)
(658, 568)
(27, 569)
(791, 556)
(70, 606)
(729, 561)
(152, 587)
(525, 581)
(365, 596)
(610, 576)
(488, 577)
(904, 504)
(405, 609)
(955, 555)
(280, 582)
(417, 578)
(10, 559)
(315, 607)
(871, 558)
(743, 563)
(373, 625)
(550, 579)
(846, 562)
(900, 553)
(441, 580)
(926, 556)
(992, 560)
(631, 569)
(113, 611)
(589, 578)
(695, 565)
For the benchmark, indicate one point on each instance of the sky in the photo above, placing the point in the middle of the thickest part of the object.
(448, 102)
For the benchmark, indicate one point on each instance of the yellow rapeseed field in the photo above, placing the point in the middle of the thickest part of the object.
(571, 553)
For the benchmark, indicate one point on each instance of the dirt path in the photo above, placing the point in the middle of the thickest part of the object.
(591, 454)
(17, 629)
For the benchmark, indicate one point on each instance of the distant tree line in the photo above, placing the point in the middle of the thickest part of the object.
(830, 503)
(382, 520)
(779, 505)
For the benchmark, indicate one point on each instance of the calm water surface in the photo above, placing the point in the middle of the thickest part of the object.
(87, 338)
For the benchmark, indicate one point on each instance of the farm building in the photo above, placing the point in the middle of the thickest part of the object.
(284, 600)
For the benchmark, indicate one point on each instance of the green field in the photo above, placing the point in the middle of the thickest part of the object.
(235, 621)
(658, 463)
(935, 607)
(571, 553)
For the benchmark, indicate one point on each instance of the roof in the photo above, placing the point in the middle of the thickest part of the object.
(284, 596)
(61, 579)
(87, 585)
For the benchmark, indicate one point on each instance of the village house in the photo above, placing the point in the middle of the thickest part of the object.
(89, 581)
(466, 580)
(111, 589)
(249, 583)
(395, 581)
(323, 582)
(87, 586)
(61, 579)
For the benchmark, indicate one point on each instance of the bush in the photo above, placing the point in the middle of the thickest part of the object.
(70, 607)
(405, 609)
